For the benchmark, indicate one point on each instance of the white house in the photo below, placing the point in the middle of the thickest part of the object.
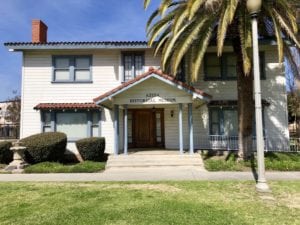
(116, 90)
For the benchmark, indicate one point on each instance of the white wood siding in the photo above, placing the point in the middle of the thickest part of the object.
(106, 71)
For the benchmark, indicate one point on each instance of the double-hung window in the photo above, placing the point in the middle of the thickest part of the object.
(224, 67)
(75, 125)
(72, 69)
(133, 64)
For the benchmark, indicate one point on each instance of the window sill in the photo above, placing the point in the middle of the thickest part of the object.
(71, 82)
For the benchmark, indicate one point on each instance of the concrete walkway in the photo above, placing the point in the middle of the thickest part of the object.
(148, 174)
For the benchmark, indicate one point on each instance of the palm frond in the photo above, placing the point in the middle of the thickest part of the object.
(246, 42)
(193, 6)
(159, 26)
(164, 6)
(170, 44)
(151, 18)
(146, 3)
(186, 42)
(199, 53)
(226, 18)
(285, 26)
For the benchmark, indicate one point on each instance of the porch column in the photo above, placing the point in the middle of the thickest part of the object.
(125, 130)
(180, 129)
(116, 129)
(190, 109)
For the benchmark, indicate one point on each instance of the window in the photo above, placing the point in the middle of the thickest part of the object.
(95, 124)
(47, 122)
(133, 64)
(75, 125)
(72, 68)
(224, 67)
(224, 121)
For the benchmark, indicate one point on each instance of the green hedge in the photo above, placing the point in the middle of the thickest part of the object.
(6, 156)
(91, 148)
(43, 147)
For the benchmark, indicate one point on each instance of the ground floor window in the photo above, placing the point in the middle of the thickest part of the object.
(75, 125)
(224, 121)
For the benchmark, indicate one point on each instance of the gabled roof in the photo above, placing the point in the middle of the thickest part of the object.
(58, 106)
(77, 45)
(161, 76)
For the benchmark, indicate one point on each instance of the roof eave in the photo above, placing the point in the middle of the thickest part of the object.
(24, 47)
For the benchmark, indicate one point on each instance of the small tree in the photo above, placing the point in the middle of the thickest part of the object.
(14, 109)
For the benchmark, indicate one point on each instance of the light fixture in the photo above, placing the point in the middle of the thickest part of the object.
(172, 113)
(253, 6)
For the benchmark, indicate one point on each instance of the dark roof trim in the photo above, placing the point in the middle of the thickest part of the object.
(61, 106)
(76, 45)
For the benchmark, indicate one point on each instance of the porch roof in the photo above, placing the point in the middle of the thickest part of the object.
(158, 74)
(59, 106)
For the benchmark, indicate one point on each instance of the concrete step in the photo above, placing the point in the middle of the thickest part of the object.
(160, 160)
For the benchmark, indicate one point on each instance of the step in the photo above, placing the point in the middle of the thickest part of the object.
(154, 161)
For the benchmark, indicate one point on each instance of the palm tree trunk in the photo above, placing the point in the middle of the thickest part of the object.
(245, 105)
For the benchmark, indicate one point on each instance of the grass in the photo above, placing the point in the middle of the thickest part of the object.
(54, 167)
(159, 203)
(273, 161)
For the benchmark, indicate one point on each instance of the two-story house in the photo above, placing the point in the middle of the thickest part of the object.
(116, 90)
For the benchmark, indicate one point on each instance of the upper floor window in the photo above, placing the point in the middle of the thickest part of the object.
(224, 67)
(72, 68)
(133, 63)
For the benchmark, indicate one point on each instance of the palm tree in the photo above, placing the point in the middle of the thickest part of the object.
(185, 28)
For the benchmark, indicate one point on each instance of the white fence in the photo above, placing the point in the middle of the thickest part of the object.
(230, 143)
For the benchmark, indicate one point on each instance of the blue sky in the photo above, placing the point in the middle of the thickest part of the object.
(67, 20)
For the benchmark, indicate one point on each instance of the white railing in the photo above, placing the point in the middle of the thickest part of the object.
(230, 143)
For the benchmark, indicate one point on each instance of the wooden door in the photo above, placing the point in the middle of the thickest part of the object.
(144, 133)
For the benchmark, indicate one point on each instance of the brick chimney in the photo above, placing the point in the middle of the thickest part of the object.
(39, 31)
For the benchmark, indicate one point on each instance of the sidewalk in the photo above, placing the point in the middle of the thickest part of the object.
(148, 174)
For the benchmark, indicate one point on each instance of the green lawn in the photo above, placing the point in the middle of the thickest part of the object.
(155, 203)
(273, 161)
(54, 167)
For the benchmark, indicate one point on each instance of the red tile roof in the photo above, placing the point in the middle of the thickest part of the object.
(149, 73)
(87, 105)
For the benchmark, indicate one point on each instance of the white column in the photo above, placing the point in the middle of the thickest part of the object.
(125, 130)
(116, 129)
(180, 129)
(261, 181)
(191, 131)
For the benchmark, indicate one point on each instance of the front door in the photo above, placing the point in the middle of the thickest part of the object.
(144, 136)
(147, 127)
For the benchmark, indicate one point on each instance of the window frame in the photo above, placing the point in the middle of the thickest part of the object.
(89, 122)
(223, 67)
(133, 54)
(221, 119)
(72, 68)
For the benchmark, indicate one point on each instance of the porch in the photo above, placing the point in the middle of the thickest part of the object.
(145, 110)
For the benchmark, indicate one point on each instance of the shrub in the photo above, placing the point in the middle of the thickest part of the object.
(91, 148)
(6, 156)
(43, 147)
